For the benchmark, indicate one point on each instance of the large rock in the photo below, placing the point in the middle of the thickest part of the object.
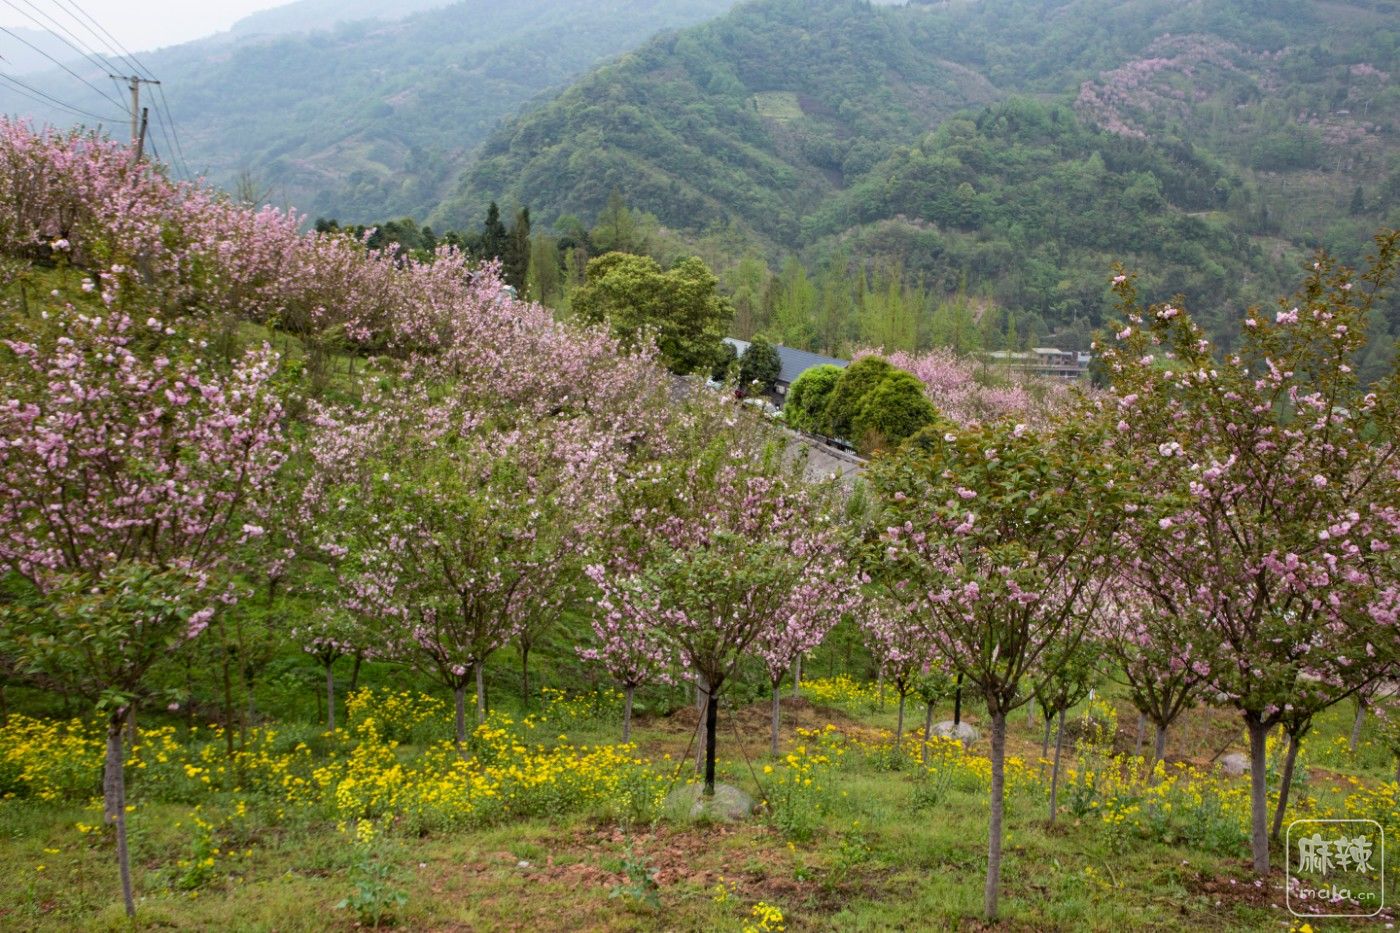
(961, 731)
(1234, 764)
(728, 804)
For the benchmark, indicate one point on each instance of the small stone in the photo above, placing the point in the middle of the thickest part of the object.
(728, 804)
(963, 732)
(1234, 764)
(522, 864)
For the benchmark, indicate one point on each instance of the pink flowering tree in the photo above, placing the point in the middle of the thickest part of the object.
(803, 622)
(896, 632)
(1274, 497)
(130, 467)
(458, 525)
(627, 647)
(1154, 656)
(1002, 531)
(730, 541)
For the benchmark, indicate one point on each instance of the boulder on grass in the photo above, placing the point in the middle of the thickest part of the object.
(727, 805)
(1234, 764)
(963, 732)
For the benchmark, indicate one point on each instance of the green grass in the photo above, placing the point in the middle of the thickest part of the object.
(874, 860)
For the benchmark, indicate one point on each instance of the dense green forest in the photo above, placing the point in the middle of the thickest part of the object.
(1006, 151)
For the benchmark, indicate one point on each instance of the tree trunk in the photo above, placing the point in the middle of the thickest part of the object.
(627, 693)
(480, 692)
(899, 724)
(989, 893)
(928, 731)
(459, 701)
(1284, 784)
(228, 710)
(251, 713)
(330, 697)
(702, 704)
(1159, 750)
(777, 710)
(1141, 731)
(957, 702)
(711, 720)
(797, 676)
(1356, 725)
(525, 675)
(1055, 769)
(355, 670)
(1258, 796)
(114, 797)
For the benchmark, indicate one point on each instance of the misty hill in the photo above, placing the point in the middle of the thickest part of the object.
(1215, 142)
(374, 118)
(317, 15)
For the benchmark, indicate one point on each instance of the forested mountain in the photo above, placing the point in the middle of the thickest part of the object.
(371, 118)
(1213, 144)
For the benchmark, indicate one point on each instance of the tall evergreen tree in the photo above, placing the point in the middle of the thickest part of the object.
(515, 261)
(493, 234)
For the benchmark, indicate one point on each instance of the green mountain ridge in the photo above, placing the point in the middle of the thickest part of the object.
(372, 118)
(1211, 144)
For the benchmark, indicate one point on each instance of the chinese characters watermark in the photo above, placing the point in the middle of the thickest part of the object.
(1336, 868)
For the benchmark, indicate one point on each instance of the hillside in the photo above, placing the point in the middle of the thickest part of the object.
(371, 118)
(1216, 143)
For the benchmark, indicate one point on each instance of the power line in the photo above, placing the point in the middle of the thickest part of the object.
(179, 146)
(119, 49)
(30, 91)
(105, 38)
(60, 64)
(83, 52)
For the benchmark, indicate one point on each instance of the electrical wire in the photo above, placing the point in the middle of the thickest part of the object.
(29, 91)
(60, 64)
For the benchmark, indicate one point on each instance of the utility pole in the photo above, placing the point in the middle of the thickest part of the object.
(141, 136)
(134, 82)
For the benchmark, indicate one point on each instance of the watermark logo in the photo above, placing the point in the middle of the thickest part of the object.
(1336, 868)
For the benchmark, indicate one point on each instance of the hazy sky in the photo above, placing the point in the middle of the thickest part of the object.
(140, 25)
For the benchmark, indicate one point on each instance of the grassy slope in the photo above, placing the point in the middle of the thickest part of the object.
(875, 862)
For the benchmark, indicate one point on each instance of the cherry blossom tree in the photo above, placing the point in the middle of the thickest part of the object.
(1154, 656)
(1003, 531)
(733, 540)
(129, 469)
(1275, 497)
(457, 526)
(628, 648)
(802, 623)
(896, 632)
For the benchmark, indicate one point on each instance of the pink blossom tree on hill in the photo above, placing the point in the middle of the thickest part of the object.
(129, 470)
(732, 542)
(1274, 481)
(1003, 532)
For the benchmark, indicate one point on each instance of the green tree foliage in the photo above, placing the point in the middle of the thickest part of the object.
(846, 396)
(759, 366)
(805, 407)
(1059, 145)
(546, 279)
(493, 234)
(895, 409)
(680, 308)
(725, 363)
(515, 261)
